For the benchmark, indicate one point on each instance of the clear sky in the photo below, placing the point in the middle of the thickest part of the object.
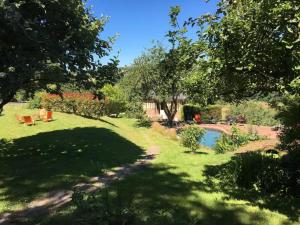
(139, 22)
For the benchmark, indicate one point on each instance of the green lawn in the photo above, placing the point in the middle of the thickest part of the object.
(58, 154)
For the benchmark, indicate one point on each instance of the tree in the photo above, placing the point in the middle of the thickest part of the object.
(253, 46)
(48, 42)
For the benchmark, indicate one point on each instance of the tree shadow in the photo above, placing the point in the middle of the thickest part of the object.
(164, 197)
(219, 178)
(44, 162)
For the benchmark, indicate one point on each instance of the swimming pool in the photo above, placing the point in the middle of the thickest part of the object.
(210, 137)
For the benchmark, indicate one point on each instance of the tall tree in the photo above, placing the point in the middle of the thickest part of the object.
(254, 45)
(47, 41)
(176, 64)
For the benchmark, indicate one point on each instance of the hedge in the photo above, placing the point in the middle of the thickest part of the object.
(82, 104)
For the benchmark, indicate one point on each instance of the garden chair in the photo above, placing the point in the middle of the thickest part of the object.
(241, 119)
(197, 118)
(28, 120)
(20, 118)
(48, 117)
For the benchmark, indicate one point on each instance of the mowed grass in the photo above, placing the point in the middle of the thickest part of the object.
(35, 164)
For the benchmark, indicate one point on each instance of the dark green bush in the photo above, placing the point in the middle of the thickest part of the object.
(21, 96)
(191, 136)
(144, 121)
(105, 208)
(134, 109)
(114, 107)
(256, 171)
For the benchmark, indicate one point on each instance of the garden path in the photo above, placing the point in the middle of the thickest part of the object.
(54, 200)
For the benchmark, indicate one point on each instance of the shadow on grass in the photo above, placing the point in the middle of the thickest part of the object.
(163, 197)
(221, 178)
(37, 164)
(195, 153)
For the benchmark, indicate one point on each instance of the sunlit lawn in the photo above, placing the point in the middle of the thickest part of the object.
(58, 154)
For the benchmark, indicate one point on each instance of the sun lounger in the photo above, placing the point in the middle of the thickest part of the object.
(28, 120)
(20, 118)
(48, 117)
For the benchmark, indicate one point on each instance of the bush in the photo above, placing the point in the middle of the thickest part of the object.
(106, 208)
(35, 102)
(224, 144)
(21, 96)
(114, 107)
(191, 136)
(82, 104)
(134, 109)
(289, 116)
(144, 121)
(258, 113)
(259, 172)
(232, 142)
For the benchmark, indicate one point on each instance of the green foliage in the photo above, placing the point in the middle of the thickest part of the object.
(258, 113)
(21, 96)
(253, 46)
(224, 144)
(232, 142)
(105, 208)
(134, 109)
(144, 121)
(259, 172)
(289, 116)
(77, 104)
(191, 136)
(35, 101)
(63, 38)
(114, 99)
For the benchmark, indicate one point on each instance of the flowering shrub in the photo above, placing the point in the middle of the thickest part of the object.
(82, 104)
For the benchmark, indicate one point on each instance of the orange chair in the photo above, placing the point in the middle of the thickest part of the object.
(197, 118)
(48, 117)
(20, 118)
(28, 120)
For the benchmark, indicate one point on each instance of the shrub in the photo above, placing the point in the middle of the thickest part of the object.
(134, 109)
(105, 208)
(232, 142)
(224, 144)
(258, 113)
(21, 96)
(82, 104)
(256, 171)
(35, 102)
(190, 137)
(144, 121)
(113, 106)
(289, 115)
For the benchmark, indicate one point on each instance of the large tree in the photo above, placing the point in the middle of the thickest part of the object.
(48, 41)
(253, 45)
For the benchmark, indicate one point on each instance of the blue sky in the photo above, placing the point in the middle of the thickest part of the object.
(139, 22)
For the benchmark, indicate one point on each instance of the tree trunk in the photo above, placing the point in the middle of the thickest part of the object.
(170, 112)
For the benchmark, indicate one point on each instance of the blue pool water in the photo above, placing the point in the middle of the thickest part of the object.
(210, 137)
